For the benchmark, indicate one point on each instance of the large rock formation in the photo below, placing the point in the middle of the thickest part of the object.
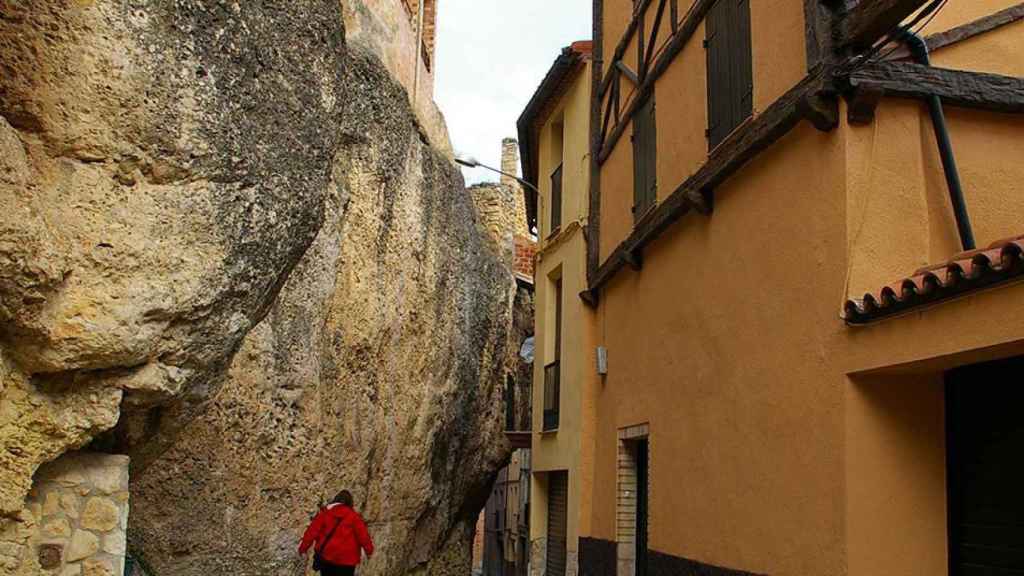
(224, 232)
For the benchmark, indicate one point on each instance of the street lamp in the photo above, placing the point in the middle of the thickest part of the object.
(474, 163)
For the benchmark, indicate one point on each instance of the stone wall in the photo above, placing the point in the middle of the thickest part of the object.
(502, 214)
(495, 206)
(77, 518)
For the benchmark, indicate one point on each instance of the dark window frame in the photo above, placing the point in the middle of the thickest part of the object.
(556, 200)
(552, 371)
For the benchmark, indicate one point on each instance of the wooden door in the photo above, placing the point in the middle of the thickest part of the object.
(985, 441)
(558, 503)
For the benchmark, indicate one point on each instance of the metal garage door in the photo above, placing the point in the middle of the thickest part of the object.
(558, 502)
(986, 469)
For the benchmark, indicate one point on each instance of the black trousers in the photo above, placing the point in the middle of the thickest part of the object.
(329, 569)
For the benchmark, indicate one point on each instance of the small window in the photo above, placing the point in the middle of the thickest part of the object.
(730, 69)
(556, 199)
(645, 159)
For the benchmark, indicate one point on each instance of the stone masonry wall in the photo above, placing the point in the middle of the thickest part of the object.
(502, 211)
(79, 516)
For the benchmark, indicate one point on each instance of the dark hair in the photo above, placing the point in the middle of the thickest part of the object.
(344, 497)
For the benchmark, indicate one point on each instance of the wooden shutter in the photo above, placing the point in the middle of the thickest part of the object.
(730, 68)
(558, 505)
(645, 158)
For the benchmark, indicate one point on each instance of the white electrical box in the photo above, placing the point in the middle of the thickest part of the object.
(602, 360)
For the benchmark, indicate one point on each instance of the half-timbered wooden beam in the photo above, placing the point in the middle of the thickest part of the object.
(861, 105)
(627, 37)
(696, 193)
(963, 88)
(593, 227)
(627, 72)
(969, 30)
(868, 21)
(818, 31)
(687, 28)
(652, 45)
(976, 27)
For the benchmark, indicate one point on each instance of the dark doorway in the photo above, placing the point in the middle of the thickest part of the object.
(642, 490)
(985, 444)
(558, 501)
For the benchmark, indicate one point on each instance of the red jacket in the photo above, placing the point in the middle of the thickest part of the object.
(344, 547)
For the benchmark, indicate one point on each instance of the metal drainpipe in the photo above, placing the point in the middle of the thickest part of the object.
(919, 49)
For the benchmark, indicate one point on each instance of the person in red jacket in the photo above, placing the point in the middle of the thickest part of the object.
(340, 535)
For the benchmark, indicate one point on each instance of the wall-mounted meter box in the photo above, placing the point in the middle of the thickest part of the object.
(602, 360)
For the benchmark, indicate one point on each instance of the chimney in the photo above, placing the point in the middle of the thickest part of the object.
(510, 165)
(509, 160)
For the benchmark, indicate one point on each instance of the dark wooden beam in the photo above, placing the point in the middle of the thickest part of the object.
(634, 258)
(969, 30)
(818, 32)
(593, 229)
(861, 104)
(641, 66)
(627, 72)
(743, 145)
(821, 110)
(686, 30)
(868, 21)
(589, 297)
(652, 45)
(627, 36)
(963, 88)
(675, 15)
(976, 27)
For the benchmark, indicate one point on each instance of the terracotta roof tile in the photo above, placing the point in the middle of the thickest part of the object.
(967, 272)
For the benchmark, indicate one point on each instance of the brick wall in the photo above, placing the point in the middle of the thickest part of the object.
(525, 256)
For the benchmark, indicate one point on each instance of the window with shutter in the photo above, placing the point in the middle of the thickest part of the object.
(645, 159)
(730, 68)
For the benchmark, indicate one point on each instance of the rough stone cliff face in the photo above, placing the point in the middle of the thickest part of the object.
(227, 250)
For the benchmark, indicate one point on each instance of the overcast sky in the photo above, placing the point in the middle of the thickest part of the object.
(491, 56)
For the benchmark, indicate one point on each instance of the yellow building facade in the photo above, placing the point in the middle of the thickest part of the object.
(554, 140)
(809, 369)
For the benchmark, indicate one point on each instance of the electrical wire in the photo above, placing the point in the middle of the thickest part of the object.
(921, 27)
(927, 15)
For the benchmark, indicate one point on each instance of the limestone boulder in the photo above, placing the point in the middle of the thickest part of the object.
(379, 369)
(229, 250)
(163, 167)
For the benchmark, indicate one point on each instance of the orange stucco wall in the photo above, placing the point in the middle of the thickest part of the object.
(688, 355)
(783, 441)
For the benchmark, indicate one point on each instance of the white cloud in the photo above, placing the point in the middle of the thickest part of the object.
(491, 56)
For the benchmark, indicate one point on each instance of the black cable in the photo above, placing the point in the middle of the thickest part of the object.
(918, 31)
(929, 12)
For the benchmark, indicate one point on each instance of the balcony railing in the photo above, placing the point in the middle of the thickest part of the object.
(552, 394)
(556, 199)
